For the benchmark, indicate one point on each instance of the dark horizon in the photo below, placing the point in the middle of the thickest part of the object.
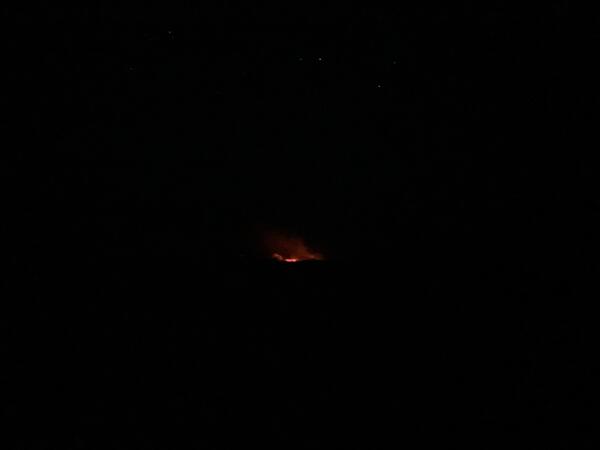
(424, 160)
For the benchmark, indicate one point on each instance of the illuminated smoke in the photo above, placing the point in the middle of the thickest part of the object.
(289, 249)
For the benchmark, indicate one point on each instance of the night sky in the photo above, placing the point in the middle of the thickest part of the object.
(425, 154)
(364, 131)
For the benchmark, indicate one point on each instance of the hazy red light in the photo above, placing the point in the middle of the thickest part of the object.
(290, 249)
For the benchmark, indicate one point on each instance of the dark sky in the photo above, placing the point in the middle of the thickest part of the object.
(365, 130)
(435, 151)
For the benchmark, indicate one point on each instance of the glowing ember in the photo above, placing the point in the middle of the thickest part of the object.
(290, 249)
(278, 257)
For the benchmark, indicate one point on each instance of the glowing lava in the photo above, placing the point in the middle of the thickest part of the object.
(290, 249)
(278, 257)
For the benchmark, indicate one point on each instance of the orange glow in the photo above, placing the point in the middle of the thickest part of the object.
(290, 249)
(278, 257)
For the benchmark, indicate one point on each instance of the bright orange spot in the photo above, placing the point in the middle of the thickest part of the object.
(278, 257)
(290, 249)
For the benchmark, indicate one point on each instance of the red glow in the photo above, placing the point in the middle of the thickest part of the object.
(290, 249)
(278, 257)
